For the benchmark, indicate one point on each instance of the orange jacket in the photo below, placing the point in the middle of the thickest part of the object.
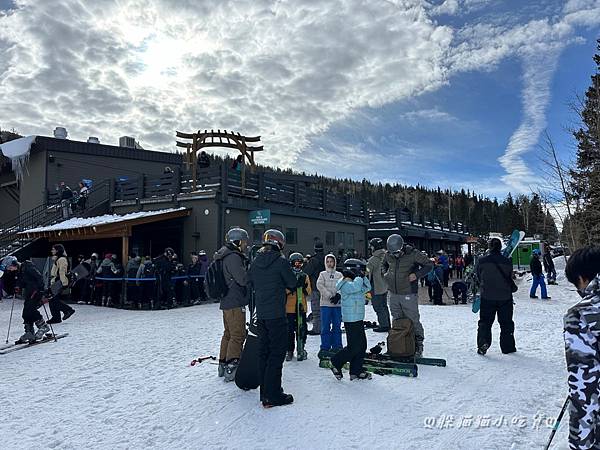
(290, 306)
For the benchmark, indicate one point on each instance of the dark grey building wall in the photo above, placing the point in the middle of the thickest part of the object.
(72, 167)
(32, 188)
(9, 195)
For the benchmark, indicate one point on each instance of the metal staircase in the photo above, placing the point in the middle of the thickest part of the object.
(13, 243)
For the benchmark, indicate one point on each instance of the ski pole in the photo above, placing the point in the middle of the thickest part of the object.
(11, 314)
(557, 424)
(202, 358)
(48, 317)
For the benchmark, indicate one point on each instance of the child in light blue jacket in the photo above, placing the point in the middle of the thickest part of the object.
(353, 287)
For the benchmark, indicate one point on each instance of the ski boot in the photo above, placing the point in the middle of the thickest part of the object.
(284, 399)
(302, 355)
(483, 349)
(418, 349)
(230, 370)
(42, 329)
(222, 368)
(337, 373)
(361, 376)
(28, 337)
(289, 356)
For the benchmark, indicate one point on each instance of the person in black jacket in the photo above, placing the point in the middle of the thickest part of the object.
(549, 266)
(538, 276)
(269, 275)
(164, 269)
(31, 282)
(494, 272)
(314, 266)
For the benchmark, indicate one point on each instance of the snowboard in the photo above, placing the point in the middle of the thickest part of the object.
(390, 360)
(247, 373)
(515, 239)
(14, 347)
(406, 370)
(79, 272)
(299, 323)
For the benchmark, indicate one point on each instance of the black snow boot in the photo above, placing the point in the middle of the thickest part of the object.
(483, 349)
(284, 399)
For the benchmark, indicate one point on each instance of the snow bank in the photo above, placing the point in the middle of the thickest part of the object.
(17, 151)
(82, 222)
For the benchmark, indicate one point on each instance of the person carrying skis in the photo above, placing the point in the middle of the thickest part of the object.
(494, 272)
(353, 287)
(402, 266)
(331, 308)
(233, 303)
(270, 275)
(549, 265)
(291, 309)
(582, 334)
(538, 275)
(313, 268)
(380, 290)
(60, 267)
(31, 283)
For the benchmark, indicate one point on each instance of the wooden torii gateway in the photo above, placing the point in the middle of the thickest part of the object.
(223, 139)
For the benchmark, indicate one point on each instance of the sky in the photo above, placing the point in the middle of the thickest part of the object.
(449, 93)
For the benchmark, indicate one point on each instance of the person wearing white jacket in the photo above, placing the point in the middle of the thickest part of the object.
(331, 307)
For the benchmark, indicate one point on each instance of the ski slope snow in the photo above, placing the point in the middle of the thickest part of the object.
(122, 379)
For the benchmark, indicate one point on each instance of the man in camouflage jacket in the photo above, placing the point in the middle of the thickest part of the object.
(582, 350)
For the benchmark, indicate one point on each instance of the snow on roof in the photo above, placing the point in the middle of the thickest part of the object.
(17, 151)
(17, 147)
(82, 222)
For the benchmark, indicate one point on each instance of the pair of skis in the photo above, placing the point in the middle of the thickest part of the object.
(379, 368)
(18, 346)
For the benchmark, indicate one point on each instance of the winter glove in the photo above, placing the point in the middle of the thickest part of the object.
(335, 299)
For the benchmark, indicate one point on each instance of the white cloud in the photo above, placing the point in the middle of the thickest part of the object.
(284, 70)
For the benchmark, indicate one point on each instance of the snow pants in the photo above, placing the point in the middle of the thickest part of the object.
(354, 352)
(293, 330)
(30, 307)
(57, 306)
(438, 292)
(407, 307)
(234, 334)
(487, 314)
(315, 307)
(538, 280)
(272, 344)
(380, 306)
(331, 327)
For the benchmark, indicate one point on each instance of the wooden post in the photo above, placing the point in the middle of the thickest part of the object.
(125, 248)
(195, 162)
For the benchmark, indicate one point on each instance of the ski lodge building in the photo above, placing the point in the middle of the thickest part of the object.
(142, 201)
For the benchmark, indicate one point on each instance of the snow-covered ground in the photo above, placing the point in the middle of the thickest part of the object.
(122, 379)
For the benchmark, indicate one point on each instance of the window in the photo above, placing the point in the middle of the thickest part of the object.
(330, 238)
(350, 240)
(291, 236)
(341, 238)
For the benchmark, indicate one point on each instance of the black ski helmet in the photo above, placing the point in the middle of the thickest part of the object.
(376, 244)
(394, 244)
(356, 266)
(236, 236)
(296, 257)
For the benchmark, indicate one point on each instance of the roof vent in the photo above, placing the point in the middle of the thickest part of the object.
(60, 133)
(127, 141)
(93, 140)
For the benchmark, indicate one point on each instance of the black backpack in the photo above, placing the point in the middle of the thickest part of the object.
(215, 280)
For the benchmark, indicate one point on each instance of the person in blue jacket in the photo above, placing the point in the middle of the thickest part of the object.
(352, 288)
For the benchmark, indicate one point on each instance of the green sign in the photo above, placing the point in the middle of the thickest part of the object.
(260, 217)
